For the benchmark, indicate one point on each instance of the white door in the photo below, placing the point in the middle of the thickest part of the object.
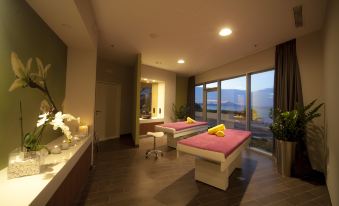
(107, 110)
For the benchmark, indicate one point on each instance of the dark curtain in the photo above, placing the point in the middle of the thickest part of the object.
(287, 84)
(288, 95)
(191, 96)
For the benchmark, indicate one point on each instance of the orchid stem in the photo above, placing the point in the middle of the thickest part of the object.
(22, 129)
(45, 91)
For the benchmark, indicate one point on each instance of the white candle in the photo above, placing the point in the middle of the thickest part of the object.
(56, 150)
(83, 130)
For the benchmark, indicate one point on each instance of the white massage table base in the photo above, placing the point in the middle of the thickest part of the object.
(174, 136)
(213, 168)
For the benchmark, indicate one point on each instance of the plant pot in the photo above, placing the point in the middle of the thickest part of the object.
(285, 155)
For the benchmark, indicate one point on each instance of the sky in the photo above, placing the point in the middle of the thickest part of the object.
(262, 80)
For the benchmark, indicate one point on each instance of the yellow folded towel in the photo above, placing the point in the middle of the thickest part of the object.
(190, 120)
(220, 134)
(213, 130)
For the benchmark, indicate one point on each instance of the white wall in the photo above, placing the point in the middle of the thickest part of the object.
(311, 64)
(80, 84)
(331, 65)
(169, 78)
(256, 62)
(108, 71)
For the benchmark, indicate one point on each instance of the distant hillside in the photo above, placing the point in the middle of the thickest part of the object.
(263, 98)
(260, 98)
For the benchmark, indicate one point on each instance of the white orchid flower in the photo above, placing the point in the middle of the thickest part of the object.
(43, 119)
(68, 117)
(58, 122)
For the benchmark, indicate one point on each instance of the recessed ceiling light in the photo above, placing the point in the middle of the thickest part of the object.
(225, 32)
(145, 79)
(181, 61)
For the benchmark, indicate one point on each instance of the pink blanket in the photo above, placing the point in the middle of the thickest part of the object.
(182, 125)
(226, 145)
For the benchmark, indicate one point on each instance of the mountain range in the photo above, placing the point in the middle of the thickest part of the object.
(236, 97)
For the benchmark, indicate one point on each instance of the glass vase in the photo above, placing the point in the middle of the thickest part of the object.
(23, 163)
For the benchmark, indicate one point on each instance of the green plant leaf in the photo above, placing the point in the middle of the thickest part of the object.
(17, 66)
(46, 70)
(28, 66)
(40, 66)
(18, 83)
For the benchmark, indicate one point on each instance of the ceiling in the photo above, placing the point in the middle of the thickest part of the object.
(164, 31)
(69, 26)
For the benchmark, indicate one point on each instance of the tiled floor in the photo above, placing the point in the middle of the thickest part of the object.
(123, 176)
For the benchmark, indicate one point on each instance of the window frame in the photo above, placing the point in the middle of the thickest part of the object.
(248, 77)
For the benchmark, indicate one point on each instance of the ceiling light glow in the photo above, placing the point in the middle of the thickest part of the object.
(181, 61)
(225, 32)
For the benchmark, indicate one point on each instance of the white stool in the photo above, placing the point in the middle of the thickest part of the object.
(154, 151)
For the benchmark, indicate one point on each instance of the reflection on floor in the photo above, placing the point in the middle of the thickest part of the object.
(123, 176)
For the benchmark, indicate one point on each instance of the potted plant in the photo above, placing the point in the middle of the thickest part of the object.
(289, 128)
(180, 113)
(26, 159)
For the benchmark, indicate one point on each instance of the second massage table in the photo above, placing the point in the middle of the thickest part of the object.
(216, 157)
(176, 131)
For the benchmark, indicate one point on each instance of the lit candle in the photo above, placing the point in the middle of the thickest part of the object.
(83, 130)
(56, 150)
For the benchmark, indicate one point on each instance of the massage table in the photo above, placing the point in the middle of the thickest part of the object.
(216, 157)
(176, 131)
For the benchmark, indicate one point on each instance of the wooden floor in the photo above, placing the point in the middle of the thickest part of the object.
(123, 176)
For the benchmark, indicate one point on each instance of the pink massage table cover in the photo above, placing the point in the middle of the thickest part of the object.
(182, 125)
(226, 145)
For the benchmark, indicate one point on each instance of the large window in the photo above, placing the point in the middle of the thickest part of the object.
(199, 102)
(261, 110)
(212, 103)
(240, 106)
(233, 103)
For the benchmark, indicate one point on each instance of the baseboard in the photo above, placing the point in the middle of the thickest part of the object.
(108, 138)
(126, 135)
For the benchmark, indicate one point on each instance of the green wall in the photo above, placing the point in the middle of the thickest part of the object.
(181, 91)
(22, 31)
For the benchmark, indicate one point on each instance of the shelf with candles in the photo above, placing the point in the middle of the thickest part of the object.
(37, 189)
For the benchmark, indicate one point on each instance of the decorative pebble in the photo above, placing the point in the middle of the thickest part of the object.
(64, 145)
(23, 168)
(56, 150)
